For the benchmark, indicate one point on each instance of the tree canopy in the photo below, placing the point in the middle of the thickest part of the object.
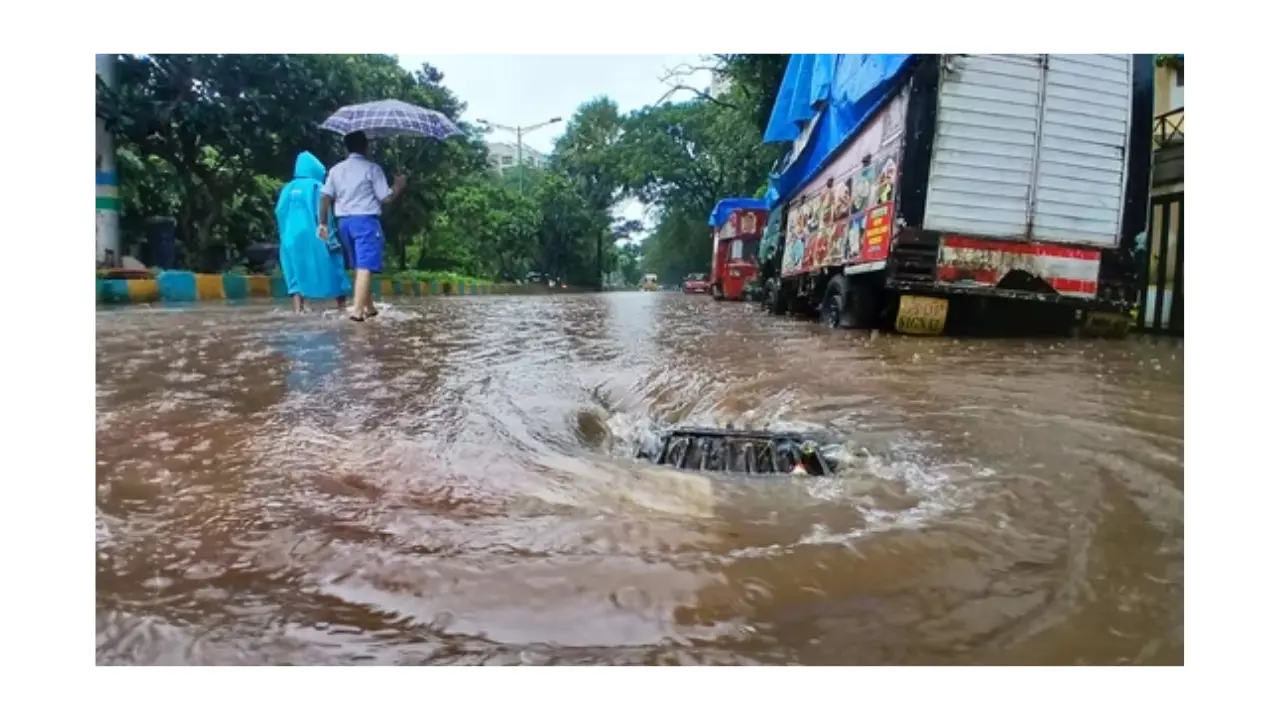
(686, 156)
(210, 139)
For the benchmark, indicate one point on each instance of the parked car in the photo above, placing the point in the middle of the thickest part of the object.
(696, 284)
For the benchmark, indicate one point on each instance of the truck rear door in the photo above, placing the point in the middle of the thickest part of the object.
(1031, 147)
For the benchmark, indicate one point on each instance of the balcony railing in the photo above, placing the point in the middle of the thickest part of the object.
(1168, 128)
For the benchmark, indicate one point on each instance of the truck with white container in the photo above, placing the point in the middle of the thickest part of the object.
(932, 192)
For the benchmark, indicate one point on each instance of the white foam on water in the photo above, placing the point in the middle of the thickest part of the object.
(390, 313)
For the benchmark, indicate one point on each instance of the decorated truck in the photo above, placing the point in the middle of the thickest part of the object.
(736, 225)
(929, 191)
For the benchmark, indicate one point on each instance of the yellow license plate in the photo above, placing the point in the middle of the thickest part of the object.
(921, 315)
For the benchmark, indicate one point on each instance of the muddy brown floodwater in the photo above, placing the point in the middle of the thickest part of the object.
(454, 483)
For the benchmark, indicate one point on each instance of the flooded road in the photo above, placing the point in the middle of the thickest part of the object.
(454, 483)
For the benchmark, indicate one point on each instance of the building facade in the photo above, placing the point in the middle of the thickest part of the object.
(502, 156)
(719, 84)
(1163, 298)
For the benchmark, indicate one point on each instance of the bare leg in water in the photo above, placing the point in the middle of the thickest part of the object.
(369, 309)
(298, 304)
(362, 295)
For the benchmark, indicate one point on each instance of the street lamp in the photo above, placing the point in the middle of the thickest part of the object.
(519, 131)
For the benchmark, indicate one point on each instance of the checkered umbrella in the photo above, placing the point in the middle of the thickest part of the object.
(384, 118)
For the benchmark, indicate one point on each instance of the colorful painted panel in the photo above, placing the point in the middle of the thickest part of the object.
(845, 215)
(741, 223)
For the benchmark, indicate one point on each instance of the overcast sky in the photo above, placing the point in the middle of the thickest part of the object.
(529, 89)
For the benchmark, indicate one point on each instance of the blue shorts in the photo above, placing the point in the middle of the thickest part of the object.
(362, 237)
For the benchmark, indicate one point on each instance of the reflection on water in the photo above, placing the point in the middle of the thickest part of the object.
(314, 355)
(453, 483)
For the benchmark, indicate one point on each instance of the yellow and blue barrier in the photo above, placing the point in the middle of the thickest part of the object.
(179, 286)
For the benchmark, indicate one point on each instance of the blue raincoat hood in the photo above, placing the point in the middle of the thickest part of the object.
(308, 166)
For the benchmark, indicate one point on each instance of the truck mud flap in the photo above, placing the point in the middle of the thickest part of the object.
(740, 451)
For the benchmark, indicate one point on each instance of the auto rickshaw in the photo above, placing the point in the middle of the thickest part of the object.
(736, 227)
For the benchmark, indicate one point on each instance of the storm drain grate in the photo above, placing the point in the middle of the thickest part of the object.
(740, 451)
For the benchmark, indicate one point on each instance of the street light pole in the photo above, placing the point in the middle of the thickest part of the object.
(520, 132)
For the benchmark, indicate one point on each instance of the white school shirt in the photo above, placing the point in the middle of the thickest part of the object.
(357, 185)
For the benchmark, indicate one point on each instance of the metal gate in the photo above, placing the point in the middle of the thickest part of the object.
(1160, 297)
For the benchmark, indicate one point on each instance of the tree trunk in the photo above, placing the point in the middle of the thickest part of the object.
(421, 263)
(204, 231)
(599, 261)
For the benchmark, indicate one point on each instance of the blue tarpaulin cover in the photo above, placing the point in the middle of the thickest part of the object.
(728, 205)
(842, 92)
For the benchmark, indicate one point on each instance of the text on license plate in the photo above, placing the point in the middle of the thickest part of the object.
(919, 315)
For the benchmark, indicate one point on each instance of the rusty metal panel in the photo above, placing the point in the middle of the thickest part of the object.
(1080, 173)
(983, 163)
(1033, 267)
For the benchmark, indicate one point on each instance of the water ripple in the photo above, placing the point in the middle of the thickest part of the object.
(453, 483)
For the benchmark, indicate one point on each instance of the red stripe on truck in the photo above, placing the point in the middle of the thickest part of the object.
(1021, 248)
(990, 277)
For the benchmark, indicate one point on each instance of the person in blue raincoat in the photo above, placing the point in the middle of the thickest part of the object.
(313, 268)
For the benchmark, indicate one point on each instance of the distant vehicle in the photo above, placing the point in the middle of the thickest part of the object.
(929, 189)
(650, 282)
(736, 226)
(696, 284)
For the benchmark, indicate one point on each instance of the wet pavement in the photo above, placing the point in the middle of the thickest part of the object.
(453, 483)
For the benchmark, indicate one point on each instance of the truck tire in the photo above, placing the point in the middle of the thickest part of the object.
(774, 301)
(834, 310)
(852, 302)
(795, 304)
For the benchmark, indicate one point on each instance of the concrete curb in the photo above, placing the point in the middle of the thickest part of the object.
(178, 286)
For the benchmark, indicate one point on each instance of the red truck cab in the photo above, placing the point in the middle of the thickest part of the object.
(736, 227)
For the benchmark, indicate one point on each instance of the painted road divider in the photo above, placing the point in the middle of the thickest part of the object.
(176, 286)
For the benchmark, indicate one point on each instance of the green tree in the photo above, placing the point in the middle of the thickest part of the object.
(217, 122)
(630, 263)
(485, 229)
(211, 138)
(756, 79)
(692, 154)
(587, 154)
(569, 228)
(685, 157)
(679, 245)
(434, 168)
